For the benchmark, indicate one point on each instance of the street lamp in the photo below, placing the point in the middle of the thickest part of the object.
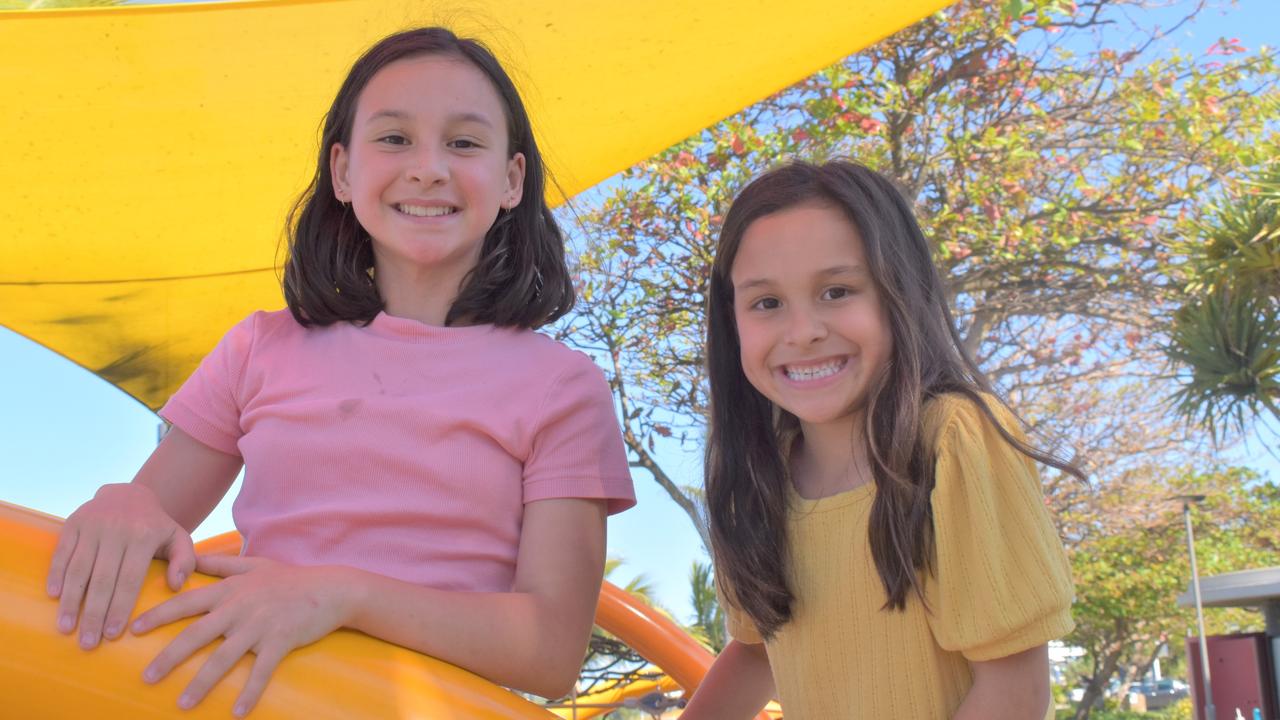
(1209, 712)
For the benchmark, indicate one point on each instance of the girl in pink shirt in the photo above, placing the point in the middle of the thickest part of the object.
(419, 464)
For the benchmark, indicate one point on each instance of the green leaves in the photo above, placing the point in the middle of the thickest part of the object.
(1225, 339)
(708, 623)
(1058, 175)
(1230, 341)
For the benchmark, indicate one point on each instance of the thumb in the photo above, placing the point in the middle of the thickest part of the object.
(182, 558)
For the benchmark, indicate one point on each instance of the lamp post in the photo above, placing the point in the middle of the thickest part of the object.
(1209, 712)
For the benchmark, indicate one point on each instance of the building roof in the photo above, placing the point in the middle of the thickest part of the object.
(1237, 589)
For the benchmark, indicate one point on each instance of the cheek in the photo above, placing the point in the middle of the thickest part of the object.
(754, 351)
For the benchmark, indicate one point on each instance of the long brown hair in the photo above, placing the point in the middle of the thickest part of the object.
(521, 279)
(746, 472)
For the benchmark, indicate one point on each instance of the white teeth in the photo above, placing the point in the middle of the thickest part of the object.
(420, 211)
(815, 373)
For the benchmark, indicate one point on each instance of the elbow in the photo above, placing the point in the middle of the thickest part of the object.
(1034, 705)
(550, 680)
(550, 669)
(1030, 704)
(558, 689)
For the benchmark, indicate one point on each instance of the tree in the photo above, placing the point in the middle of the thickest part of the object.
(1127, 581)
(1053, 168)
(708, 617)
(1227, 334)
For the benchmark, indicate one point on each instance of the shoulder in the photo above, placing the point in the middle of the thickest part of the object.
(259, 332)
(265, 323)
(951, 417)
(550, 358)
(970, 448)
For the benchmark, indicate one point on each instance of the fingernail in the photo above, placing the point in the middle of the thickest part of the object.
(66, 623)
(54, 588)
(88, 639)
(240, 710)
(150, 675)
(182, 578)
(137, 626)
(186, 702)
(113, 630)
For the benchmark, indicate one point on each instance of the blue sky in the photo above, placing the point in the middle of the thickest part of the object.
(64, 432)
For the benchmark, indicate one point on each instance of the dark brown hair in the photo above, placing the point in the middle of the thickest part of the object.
(520, 280)
(746, 472)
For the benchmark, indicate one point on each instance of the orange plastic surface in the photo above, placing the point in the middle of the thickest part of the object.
(44, 674)
(650, 633)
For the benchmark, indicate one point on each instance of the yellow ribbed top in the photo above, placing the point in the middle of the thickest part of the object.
(1001, 585)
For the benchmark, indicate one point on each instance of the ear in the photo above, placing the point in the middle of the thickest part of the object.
(338, 164)
(515, 182)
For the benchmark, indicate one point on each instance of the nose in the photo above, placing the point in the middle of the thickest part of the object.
(805, 326)
(427, 165)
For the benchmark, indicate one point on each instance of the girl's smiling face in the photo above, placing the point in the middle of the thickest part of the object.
(427, 168)
(811, 326)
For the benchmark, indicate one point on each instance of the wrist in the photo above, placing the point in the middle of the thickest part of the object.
(351, 589)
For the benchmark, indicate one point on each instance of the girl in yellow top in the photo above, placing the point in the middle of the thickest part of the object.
(878, 527)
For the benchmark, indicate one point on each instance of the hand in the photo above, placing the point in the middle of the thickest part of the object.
(263, 607)
(106, 546)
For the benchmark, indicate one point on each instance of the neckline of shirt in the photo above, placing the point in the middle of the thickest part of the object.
(400, 329)
(803, 505)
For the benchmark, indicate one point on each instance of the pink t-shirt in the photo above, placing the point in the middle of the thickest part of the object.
(401, 448)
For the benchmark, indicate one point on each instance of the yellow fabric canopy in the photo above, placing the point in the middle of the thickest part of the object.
(152, 151)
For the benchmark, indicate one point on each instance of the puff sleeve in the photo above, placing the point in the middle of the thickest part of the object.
(1002, 582)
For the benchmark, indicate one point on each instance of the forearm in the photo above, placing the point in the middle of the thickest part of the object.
(738, 685)
(516, 639)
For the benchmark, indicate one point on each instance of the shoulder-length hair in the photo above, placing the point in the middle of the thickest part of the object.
(520, 280)
(746, 473)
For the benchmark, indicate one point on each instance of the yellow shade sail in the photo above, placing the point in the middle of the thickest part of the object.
(152, 151)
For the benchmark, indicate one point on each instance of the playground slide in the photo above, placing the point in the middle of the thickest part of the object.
(44, 674)
(650, 633)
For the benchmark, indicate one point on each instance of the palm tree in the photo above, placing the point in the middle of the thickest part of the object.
(640, 585)
(1227, 335)
(708, 617)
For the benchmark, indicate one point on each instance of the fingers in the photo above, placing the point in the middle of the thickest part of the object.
(102, 586)
(269, 657)
(225, 565)
(192, 602)
(214, 669)
(78, 570)
(182, 557)
(195, 636)
(133, 571)
(61, 557)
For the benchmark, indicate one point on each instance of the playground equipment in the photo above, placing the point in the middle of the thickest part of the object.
(345, 675)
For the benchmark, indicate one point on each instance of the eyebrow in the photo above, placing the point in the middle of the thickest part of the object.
(826, 272)
(457, 118)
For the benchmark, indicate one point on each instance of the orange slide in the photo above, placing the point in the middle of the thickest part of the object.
(347, 674)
